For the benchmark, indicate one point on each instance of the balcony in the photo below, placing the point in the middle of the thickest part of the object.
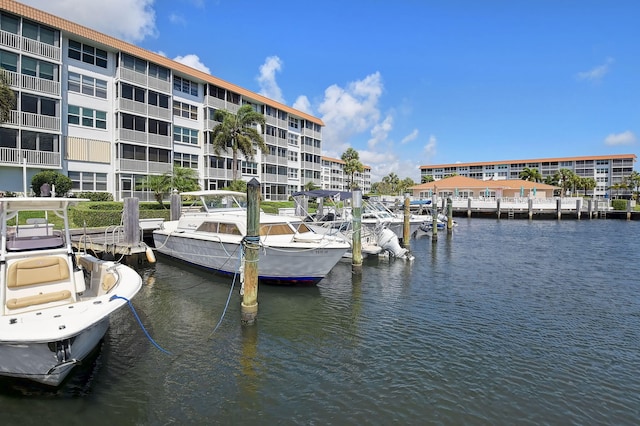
(140, 166)
(35, 84)
(34, 158)
(34, 121)
(31, 46)
(160, 140)
(213, 173)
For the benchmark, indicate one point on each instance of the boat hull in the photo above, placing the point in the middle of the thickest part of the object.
(277, 265)
(49, 362)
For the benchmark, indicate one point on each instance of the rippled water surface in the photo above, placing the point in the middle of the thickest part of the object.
(504, 322)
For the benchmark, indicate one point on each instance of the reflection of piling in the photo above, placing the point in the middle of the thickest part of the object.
(356, 238)
(407, 228)
(249, 305)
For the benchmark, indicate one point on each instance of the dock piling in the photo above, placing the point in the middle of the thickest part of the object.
(249, 305)
(356, 241)
(406, 230)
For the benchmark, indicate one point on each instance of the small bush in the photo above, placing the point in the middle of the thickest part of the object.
(619, 204)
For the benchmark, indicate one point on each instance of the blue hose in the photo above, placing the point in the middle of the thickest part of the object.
(115, 296)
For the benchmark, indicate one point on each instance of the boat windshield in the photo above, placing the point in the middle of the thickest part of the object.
(276, 229)
(218, 202)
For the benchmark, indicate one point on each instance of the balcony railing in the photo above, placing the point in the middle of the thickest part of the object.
(34, 158)
(160, 140)
(144, 80)
(26, 44)
(41, 122)
(36, 84)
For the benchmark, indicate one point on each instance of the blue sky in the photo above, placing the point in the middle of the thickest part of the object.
(413, 82)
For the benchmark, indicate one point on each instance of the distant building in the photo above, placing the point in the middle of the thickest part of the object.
(606, 170)
(333, 176)
(466, 187)
(107, 114)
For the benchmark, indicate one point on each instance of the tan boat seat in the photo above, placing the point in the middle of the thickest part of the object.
(37, 270)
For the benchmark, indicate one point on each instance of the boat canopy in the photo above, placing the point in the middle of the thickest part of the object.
(323, 193)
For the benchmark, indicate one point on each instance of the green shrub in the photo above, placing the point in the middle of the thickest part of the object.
(619, 204)
(101, 214)
(94, 196)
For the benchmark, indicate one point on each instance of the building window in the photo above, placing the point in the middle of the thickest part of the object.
(39, 141)
(185, 110)
(8, 61)
(87, 54)
(38, 105)
(185, 135)
(158, 127)
(40, 69)
(294, 123)
(161, 73)
(158, 155)
(185, 160)
(9, 23)
(87, 85)
(87, 117)
(185, 86)
(158, 99)
(293, 173)
(292, 155)
(134, 122)
(88, 181)
(133, 93)
(249, 168)
(39, 33)
(133, 63)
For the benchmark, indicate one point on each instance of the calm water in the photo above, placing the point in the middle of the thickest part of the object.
(506, 322)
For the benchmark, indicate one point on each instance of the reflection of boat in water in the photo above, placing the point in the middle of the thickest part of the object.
(214, 237)
(381, 229)
(55, 303)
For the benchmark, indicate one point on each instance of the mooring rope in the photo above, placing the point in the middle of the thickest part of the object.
(115, 296)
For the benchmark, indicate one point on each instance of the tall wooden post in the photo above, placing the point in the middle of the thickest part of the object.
(407, 224)
(434, 219)
(559, 208)
(530, 202)
(176, 206)
(590, 208)
(131, 221)
(449, 215)
(469, 207)
(356, 237)
(249, 305)
(628, 209)
(498, 207)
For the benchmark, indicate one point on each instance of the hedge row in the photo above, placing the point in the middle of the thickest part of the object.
(100, 214)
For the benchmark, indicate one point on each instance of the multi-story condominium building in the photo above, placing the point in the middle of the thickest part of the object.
(333, 176)
(107, 113)
(607, 170)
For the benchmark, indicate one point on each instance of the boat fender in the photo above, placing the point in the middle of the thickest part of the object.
(151, 257)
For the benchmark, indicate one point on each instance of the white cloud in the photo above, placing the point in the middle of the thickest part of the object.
(303, 104)
(410, 137)
(267, 79)
(192, 61)
(380, 131)
(174, 18)
(430, 148)
(624, 138)
(350, 111)
(130, 20)
(597, 73)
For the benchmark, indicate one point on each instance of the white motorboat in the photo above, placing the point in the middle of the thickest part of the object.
(213, 237)
(55, 303)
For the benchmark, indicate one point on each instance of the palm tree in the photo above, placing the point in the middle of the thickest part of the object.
(588, 184)
(181, 179)
(237, 132)
(426, 179)
(633, 182)
(564, 177)
(532, 175)
(352, 165)
(7, 98)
